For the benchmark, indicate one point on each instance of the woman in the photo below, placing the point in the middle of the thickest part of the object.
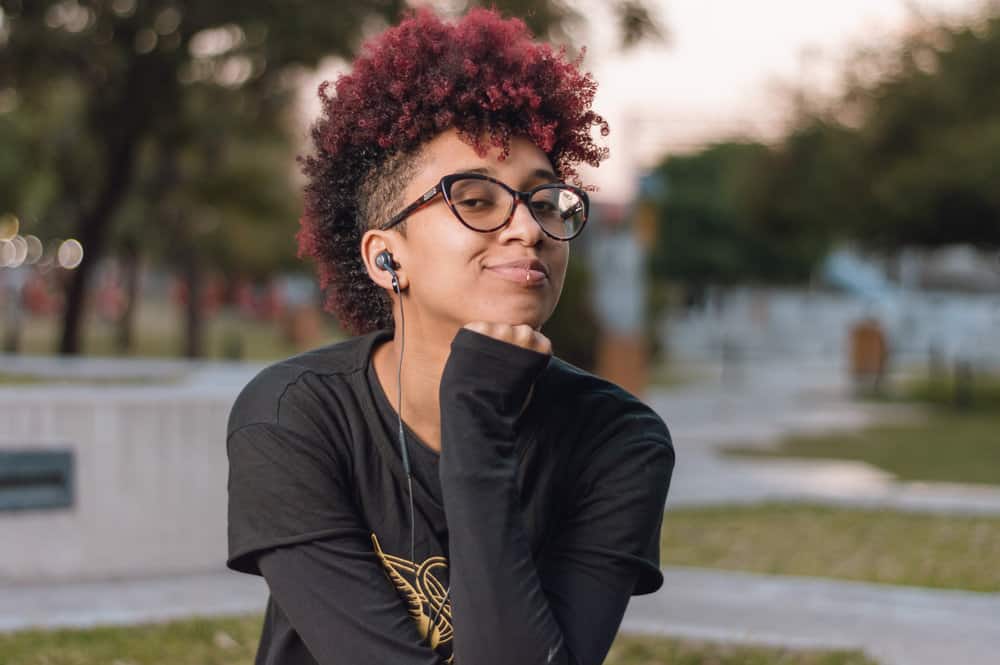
(440, 488)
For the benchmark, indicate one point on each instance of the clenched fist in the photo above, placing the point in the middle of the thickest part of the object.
(521, 335)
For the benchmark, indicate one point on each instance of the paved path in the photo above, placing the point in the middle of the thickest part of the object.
(896, 625)
(769, 401)
(124, 602)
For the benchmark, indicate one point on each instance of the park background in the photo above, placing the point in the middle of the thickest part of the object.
(794, 257)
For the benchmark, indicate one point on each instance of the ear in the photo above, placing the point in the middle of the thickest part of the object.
(372, 243)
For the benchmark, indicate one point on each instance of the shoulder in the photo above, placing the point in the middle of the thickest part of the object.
(603, 431)
(603, 410)
(302, 383)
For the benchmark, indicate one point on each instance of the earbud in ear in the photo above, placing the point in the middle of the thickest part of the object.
(384, 261)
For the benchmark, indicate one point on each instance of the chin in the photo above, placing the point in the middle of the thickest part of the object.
(533, 319)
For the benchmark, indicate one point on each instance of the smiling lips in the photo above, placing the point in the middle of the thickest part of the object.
(529, 272)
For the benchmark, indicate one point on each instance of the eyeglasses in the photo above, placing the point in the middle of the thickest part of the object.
(485, 204)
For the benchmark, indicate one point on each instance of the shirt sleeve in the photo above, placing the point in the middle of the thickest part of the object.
(292, 520)
(567, 608)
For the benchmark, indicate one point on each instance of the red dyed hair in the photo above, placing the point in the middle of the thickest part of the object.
(484, 76)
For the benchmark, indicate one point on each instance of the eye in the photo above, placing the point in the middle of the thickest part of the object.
(475, 196)
(471, 203)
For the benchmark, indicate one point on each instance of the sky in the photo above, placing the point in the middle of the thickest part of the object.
(727, 69)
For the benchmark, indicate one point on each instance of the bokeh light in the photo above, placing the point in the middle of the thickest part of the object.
(70, 254)
(35, 249)
(7, 253)
(20, 251)
(9, 226)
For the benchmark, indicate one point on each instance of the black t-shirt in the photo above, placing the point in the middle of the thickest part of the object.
(532, 527)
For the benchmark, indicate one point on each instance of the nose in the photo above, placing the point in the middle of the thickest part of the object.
(522, 226)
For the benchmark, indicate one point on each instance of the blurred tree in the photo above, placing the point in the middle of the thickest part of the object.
(715, 225)
(160, 80)
(800, 197)
(929, 139)
(909, 155)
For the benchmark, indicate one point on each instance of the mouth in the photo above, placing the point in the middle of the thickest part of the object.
(529, 272)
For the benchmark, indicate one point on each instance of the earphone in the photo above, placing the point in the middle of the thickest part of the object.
(384, 261)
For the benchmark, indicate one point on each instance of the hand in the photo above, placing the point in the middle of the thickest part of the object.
(521, 335)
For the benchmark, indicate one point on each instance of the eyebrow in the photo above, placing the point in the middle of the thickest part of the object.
(539, 174)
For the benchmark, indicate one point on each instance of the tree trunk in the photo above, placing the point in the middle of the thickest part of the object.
(194, 321)
(13, 312)
(124, 337)
(92, 233)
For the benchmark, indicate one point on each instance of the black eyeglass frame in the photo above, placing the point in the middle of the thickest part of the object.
(443, 187)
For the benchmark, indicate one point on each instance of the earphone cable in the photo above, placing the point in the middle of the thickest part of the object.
(406, 459)
(399, 417)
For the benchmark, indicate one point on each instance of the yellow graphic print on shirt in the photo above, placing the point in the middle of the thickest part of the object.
(423, 593)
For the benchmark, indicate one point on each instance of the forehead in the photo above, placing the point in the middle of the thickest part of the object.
(448, 153)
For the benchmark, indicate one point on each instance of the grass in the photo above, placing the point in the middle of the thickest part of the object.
(14, 379)
(233, 641)
(159, 334)
(948, 446)
(229, 641)
(645, 650)
(872, 545)
(975, 391)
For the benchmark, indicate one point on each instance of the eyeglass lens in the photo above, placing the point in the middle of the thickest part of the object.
(486, 205)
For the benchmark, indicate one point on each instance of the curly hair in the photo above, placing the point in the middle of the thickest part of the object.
(483, 76)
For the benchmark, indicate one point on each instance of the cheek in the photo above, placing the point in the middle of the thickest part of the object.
(446, 260)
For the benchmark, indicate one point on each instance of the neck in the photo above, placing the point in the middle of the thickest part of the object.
(424, 356)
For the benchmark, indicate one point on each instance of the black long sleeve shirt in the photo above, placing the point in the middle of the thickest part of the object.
(542, 521)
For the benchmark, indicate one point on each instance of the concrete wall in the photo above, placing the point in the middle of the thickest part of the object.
(150, 480)
(793, 323)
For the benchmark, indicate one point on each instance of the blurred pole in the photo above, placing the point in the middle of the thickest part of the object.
(617, 265)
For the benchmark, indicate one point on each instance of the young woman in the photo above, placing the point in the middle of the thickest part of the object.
(440, 488)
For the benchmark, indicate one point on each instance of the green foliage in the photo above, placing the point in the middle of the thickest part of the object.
(931, 136)
(713, 223)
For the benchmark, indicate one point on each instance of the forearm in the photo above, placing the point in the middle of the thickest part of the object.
(501, 614)
(338, 602)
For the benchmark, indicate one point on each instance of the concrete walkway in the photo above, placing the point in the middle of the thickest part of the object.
(126, 602)
(766, 402)
(896, 625)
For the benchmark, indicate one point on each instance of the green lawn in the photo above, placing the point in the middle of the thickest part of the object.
(943, 551)
(233, 641)
(159, 334)
(949, 446)
(978, 391)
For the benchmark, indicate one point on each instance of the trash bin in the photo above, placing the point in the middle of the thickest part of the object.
(869, 354)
